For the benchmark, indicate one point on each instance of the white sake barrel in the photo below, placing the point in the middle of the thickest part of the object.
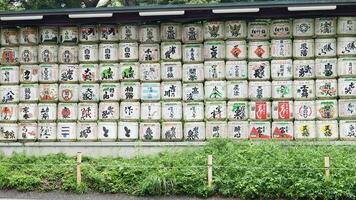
(29, 92)
(130, 32)
(237, 110)
(68, 73)
(281, 28)
(49, 34)
(171, 90)
(27, 112)
(281, 48)
(215, 90)
(194, 131)
(347, 87)
(150, 111)
(215, 110)
(193, 92)
(326, 88)
(28, 35)
(303, 48)
(347, 129)
(47, 131)
(130, 111)
(214, 70)
(258, 30)
(259, 130)
(304, 110)
(347, 108)
(282, 130)
(237, 89)
(88, 73)
(216, 129)
(68, 92)
(28, 54)
(260, 110)
(282, 69)
(193, 53)
(9, 75)
(27, 131)
(326, 109)
(193, 72)
(128, 51)
(88, 33)
(303, 27)
(236, 70)
(346, 67)
(150, 72)
(325, 26)
(88, 53)
(171, 51)
(150, 131)
(304, 69)
(326, 67)
(129, 71)
(282, 89)
(48, 73)
(68, 54)
(108, 72)
(346, 25)
(128, 130)
(325, 47)
(171, 71)
(260, 90)
(89, 92)
(9, 37)
(47, 112)
(235, 29)
(130, 91)
(47, 53)
(282, 110)
(172, 111)
(304, 89)
(346, 46)
(258, 50)
(192, 33)
(107, 131)
(8, 131)
(109, 111)
(150, 91)
(66, 131)
(109, 92)
(87, 111)
(10, 94)
(108, 33)
(238, 129)
(171, 31)
(304, 130)
(149, 34)
(9, 55)
(236, 50)
(68, 34)
(214, 50)
(108, 52)
(172, 131)
(9, 112)
(149, 53)
(327, 129)
(259, 70)
(214, 30)
(87, 131)
(193, 111)
(29, 73)
(67, 112)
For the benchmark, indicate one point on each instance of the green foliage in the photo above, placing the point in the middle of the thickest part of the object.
(240, 169)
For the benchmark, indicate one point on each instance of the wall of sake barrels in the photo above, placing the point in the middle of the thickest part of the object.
(256, 79)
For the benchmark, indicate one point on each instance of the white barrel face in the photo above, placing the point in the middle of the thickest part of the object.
(107, 131)
(259, 70)
(304, 69)
(128, 51)
(47, 131)
(150, 131)
(303, 48)
(303, 27)
(347, 129)
(69, 73)
(9, 75)
(347, 87)
(327, 129)
(27, 112)
(235, 29)
(282, 130)
(260, 90)
(47, 53)
(87, 112)
(346, 25)
(150, 72)
(216, 130)
(193, 92)
(149, 52)
(172, 111)
(150, 111)
(304, 89)
(109, 92)
(9, 112)
(108, 33)
(281, 48)
(171, 71)
(194, 131)
(282, 69)
(130, 91)
(29, 92)
(8, 131)
(48, 73)
(68, 92)
(325, 26)
(214, 30)
(346, 46)
(346, 67)
(149, 34)
(69, 35)
(89, 92)
(193, 111)
(28, 35)
(128, 130)
(238, 89)
(238, 129)
(236, 70)
(215, 110)
(259, 130)
(88, 73)
(192, 33)
(193, 72)
(326, 68)
(88, 33)
(27, 131)
(9, 37)
(237, 110)
(10, 94)
(304, 110)
(109, 111)
(258, 30)
(66, 131)
(347, 108)
(88, 53)
(28, 54)
(193, 53)
(87, 131)
(325, 47)
(215, 90)
(214, 70)
(281, 28)
(108, 72)
(68, 54)
(305, 130)
(47, 112)
(172, 131)
(130, 111)
(214, 50)
(171, 51)
(108, 52)
(130, 32)
(171, 31)
(171, 90)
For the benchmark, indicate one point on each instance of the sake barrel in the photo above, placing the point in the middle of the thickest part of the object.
(215, 90)
(8, 131)
(304, 89)
(238, 129)
(68, 92)
(347, 129)
(214, 50)
(304, 69)
(172, 111)
(347, 88)
(66, 131)
(67, 112)
(150, 111)
(303, 48)
(9, 37)
(259, 70)
(149, 34)
(327, 129)
(282, 89)
(47, 112)
(304, 110)
(258, 50)
(88, 33)
(172, 131)
(9, 112)
(129, 111)
(88, 73)
(68, 73)
(346, 25)
(130, 91)
(107, 131)
(193, 53)
(109, 111)
(28, 35)
(258, 30)
(150, 72)
(194, 131)
(171, 31)
(260, 90)
(238, 88)
(192, 33)
(347, 108)
(326, 67)
(150, 91)
(88, 53)
(48, 73)
(346, 46)
(193, 72)
(9, 75)
(235, 29)
(29, 92)
(9, 55)
(326, 109)
(171, 71)
(171, 51)
(109, 92)
(108, 72)
(193, 111)
(128, 51)
(68, 34)
(216, 129)
(282, 110)
(325, 26)
(325, 47)
(237, 110)
(304, 130)
(150, 131)
(108, 52)
(214, 30)
(236, 70)
(282, 69)
(68, 54)
(215, 110)
(87, 112)
(128, 130)
(27, 112)
(28, 54)
(326, 88)
(89, 92)
(47, 53)
(281, 28)
(108, 33)
(346, 67)
(171, 90)
(47, 132)
(27, 132)
(236, 50)
(149, 53)
(259, 130)
(10, 94)
(49, 34)
(214, 70)
(282, 130)
(129, 71)
(282, 48)
(87, 131)
(193, 92)
(260, 110)
(303, 27)
(130, 32)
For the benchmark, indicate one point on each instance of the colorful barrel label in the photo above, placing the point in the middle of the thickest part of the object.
(282, 110)
(260, 110)
(326, 109)
(237, 110)
(260, 130)
(304, 130)
(67, 111)
(88, 33)
(215, 90)
(108, 32)
(150, 91)
(282, 130)
(304, 110)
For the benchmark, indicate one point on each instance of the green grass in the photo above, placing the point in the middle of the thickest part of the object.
(241, 169)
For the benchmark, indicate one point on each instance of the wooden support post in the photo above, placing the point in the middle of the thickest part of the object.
(210, 170)
(327, 167)
(79, 173)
